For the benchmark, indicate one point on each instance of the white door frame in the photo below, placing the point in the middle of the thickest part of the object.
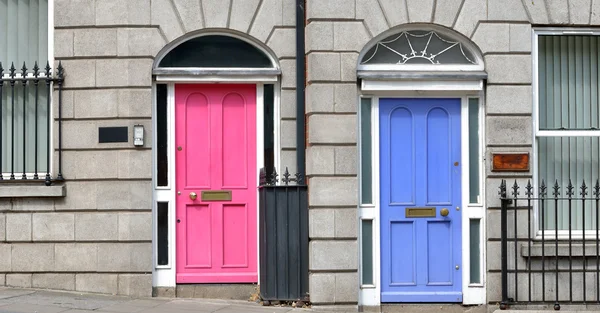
(370, 295)
(165, 275)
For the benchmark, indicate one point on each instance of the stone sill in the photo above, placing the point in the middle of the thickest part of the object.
(563, 250)
(32, 191)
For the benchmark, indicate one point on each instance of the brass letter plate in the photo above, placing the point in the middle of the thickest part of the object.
(421, 212)
(216, 195)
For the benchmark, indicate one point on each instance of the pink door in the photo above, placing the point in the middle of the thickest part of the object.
(215, 136)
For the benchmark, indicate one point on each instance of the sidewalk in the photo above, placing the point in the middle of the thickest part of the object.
(38, 301)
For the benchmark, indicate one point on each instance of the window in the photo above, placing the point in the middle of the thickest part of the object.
(216, 51)
(419, 47)
(25, 106)
(568, 128)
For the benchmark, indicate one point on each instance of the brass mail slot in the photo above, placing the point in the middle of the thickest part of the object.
(421, 212)
(216, 195)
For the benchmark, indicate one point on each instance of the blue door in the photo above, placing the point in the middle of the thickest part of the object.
(420, 200)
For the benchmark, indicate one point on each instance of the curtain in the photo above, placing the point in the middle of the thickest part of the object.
(568, 101)
(23, 38)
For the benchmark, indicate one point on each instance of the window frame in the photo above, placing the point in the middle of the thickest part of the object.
(41, 63)
(537, 133)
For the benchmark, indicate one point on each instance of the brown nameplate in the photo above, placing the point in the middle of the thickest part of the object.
(510, 162)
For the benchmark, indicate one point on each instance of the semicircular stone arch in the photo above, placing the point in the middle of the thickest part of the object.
(266, 21)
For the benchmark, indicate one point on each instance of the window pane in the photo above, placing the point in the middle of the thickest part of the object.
(367, 252)
(24, 39)
(162, 176)
(568, 82)
(269, 127)
(162, 233)
(474, 160)
(564, 159)
(216, 51)
(474, 244)
(365, 147)
(24, 33)
(419, 47)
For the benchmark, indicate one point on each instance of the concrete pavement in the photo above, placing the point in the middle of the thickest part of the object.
(41, 301)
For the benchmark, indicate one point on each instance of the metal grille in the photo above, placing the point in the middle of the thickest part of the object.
(22, 90)
(549, 265)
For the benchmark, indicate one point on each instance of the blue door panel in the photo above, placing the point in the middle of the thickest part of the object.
(439, 186)
(402, 158)
(420, 168)
(439, 251)
(405, 274)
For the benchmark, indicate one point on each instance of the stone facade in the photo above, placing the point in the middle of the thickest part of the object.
(336, 32)
(98, 238)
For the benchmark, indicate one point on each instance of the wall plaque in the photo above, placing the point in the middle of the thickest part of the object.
(510, 162)
(112, 134)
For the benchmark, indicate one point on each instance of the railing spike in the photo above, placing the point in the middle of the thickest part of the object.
(502, 191)
(583, 188)
(528, 189)
(570, 188)
(597, 189)
(48, 69)
(556, 188)
(61, 70)
(24, 70)
(286, 176)
(36, 70)
(273, 178)
(515, 189)
(13, 70)
(543, 189)
(1, 70)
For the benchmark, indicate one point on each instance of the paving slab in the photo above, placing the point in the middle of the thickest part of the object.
(29, 308)
(9, 293)
(43, 301)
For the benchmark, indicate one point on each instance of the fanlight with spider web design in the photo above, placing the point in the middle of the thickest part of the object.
(419, 47)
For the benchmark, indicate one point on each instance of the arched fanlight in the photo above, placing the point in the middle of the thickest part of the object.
(215, 51)
(419, 47)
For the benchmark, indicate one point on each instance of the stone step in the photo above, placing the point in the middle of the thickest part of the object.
(209, 291)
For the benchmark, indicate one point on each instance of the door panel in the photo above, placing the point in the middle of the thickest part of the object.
(404, 256)
(215, 135)
(199, 226)
(197, 110)
(420, 176)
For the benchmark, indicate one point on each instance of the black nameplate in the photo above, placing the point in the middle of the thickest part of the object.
(112, 134)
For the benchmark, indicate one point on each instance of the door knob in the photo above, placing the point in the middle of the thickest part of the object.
(193, 195)
(444, 212)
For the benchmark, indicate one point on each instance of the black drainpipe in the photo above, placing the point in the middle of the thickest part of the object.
(300, 83)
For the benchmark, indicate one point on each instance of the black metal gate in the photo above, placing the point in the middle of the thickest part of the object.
(283, 228)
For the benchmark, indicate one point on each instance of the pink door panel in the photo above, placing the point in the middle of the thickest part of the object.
(215, 126)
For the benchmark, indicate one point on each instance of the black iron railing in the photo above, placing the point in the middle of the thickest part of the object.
(551, 254)
(26, 123)
(283, 210)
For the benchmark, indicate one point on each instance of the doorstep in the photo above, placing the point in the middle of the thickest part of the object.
(208, 291)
